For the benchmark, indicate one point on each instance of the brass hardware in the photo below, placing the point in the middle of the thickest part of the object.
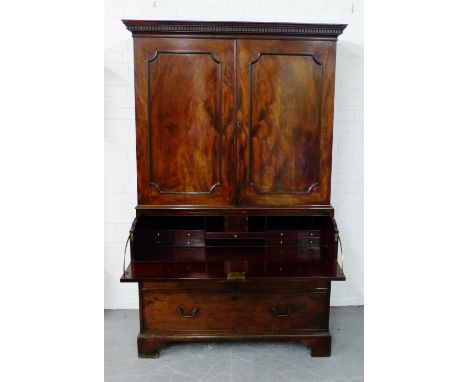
(276, 313)
(129, 239)
(188, 234)
(236, 276)
(125, 253)
(337, 238)
(188, 242)
(235, 236)
(180, 311)
(281, 234)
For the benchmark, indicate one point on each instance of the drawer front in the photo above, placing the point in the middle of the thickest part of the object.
(282, 234)
(308, 242)
(205, 310)
(280, 241)
(189, 238)
(312, 233)
(194, 234)
(189, 242)
(155, 238)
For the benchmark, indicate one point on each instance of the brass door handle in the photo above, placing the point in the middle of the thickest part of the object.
(276, 312)
(180, 311)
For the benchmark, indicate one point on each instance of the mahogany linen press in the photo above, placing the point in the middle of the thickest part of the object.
(234, 236)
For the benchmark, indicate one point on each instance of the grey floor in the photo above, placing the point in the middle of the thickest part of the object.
(245, 361)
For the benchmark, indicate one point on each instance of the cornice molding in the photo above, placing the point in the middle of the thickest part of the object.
(326, 31)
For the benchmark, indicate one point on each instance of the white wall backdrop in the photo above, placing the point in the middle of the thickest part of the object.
(119, 133)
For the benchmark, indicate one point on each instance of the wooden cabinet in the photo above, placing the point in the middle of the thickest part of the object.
(234, 122)
(234, 236)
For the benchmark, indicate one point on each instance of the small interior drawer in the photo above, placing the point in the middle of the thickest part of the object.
(282, 234)
(155, 238)
(189, 242)
(281, 241)
(308, 242)
(193, 234)
(310, 233)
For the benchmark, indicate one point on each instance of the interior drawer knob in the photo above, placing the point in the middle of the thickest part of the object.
(181, 313)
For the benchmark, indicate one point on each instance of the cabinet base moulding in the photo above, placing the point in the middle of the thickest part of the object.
(149, 344)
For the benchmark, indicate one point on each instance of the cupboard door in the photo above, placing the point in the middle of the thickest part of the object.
(184, 112)
(285, 92)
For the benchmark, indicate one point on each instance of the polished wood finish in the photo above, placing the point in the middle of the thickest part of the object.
(285, 114)
(148, 210)
(204, 310)
(184, 92)
(187, 148)
(288, 263)
(185, 265)
(149, 344)
(234, 236)
(233, 29)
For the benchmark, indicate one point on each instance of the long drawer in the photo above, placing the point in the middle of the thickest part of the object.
(210, 310)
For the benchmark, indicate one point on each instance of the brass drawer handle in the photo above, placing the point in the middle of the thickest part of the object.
(276, 313)
(180, 311)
